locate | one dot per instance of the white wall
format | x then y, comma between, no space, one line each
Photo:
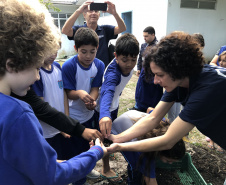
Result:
67,46
144,13
210,23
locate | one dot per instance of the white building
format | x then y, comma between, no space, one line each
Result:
207,17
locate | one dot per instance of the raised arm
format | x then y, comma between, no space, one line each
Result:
121,25
214,60
67,28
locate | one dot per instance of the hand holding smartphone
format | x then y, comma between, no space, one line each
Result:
98,6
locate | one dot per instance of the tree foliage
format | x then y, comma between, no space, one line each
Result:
49,5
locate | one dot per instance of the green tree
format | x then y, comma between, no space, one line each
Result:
49,5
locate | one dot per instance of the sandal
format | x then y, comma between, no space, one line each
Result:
210,146
114,179
112,156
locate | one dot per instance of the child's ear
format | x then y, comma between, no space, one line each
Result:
8,68
76,49
116,56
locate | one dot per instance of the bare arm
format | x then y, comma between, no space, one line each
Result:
67,28
214,60
66,105
121,25
94,92
176,131
144,125
83,95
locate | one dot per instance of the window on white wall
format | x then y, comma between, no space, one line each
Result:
199,4
104,14
60,19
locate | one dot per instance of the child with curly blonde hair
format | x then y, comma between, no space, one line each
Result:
27,36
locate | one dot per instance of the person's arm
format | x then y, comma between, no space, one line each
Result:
66,105
175,132
79,94
112,79
150,181
94,92
144,125
214,60
67,28
48,114
38,153
121,25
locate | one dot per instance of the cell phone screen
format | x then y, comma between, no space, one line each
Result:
98,6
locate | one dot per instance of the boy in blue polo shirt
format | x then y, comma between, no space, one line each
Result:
82,77
116,76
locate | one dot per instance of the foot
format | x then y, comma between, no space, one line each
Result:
220,150
93,174
210,146
111,176
207,139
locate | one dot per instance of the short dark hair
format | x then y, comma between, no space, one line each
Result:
150,30
199,38
126,45
178,54
86,36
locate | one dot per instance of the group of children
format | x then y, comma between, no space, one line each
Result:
84,88
84,91
27,37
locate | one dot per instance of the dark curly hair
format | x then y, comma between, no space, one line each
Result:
27,34
199,38
178,54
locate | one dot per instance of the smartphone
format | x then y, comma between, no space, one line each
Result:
98,6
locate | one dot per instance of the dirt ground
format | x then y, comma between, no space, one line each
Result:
210,164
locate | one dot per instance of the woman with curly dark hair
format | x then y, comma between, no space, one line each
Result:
177,64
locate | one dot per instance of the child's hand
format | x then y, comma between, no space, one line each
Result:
91,134
91,106
105,126
65,135
99,143
85,97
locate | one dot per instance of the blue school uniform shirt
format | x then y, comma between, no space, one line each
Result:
76,77
105,34
50,87
25,156
204,102
113,84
